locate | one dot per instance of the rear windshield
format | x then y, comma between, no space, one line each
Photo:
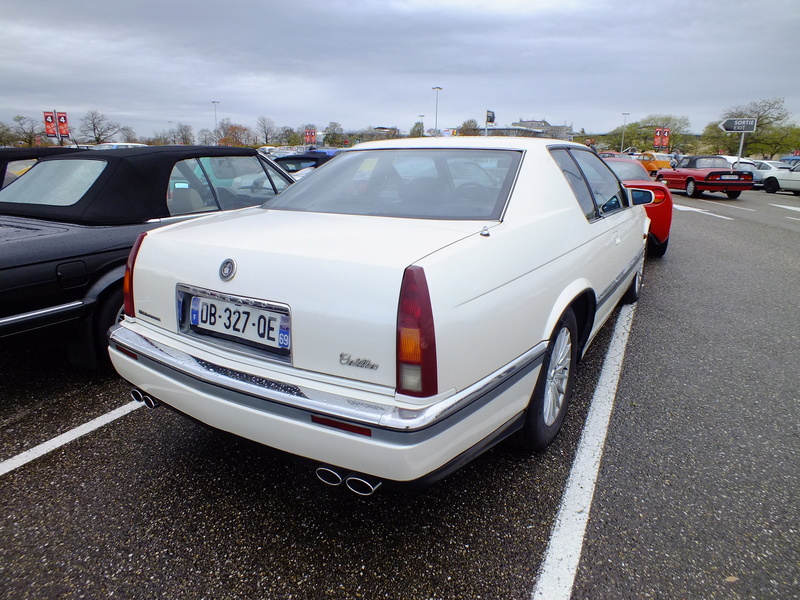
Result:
627,171
446,184
54,183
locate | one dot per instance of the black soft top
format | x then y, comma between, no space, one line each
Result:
8,155
131,189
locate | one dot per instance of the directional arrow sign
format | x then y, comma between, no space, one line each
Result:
738,125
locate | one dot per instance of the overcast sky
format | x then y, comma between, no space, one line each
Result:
361,63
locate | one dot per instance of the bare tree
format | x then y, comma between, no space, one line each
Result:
265,129
128,135
26,130
205,137
97,128
6,135
184,134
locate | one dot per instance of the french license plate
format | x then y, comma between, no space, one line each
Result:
729,177
248,323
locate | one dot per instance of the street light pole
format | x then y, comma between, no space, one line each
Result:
422,125
624,121
437,89
216,139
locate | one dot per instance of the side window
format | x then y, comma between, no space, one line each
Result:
189,191
576,181
238,181
15,168
278,183
606,189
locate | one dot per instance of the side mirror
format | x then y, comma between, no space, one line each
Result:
640,197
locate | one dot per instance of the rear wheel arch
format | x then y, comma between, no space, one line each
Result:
88,349
584,308
581,300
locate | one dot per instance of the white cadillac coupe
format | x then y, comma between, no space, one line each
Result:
395,313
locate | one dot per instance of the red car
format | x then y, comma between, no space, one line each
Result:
697,174
632,174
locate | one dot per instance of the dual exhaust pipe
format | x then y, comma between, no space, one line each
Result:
147,399
363,485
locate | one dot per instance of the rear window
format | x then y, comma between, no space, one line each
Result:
627,171
445,184
54,183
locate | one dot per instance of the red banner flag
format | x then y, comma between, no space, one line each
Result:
657,138
665,137
50,124
63,125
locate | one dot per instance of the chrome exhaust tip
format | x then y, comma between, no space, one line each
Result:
329,476
139,396
363,485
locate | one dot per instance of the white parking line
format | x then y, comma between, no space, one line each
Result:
728,205
786,207
73,434
557,574
700,210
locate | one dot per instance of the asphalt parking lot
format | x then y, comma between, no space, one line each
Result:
697,494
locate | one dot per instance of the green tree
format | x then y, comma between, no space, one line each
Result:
469,127
640,134
288,136
773,132
334,135
418,130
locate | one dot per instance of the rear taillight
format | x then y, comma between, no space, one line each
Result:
659,195
416,340
127,281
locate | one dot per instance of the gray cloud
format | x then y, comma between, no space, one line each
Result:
365,62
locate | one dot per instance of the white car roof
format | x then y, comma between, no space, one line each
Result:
497,142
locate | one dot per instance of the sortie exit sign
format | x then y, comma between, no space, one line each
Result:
738,125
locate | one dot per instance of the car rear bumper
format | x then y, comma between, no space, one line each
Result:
724,186
392,444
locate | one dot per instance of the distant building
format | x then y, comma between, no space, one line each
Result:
511,132
559,132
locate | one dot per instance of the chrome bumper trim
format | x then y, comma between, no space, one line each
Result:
333,405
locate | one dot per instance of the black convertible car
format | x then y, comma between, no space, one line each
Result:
67,225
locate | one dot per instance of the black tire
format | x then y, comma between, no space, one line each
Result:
108,313
771,185
691,189
631,295
553,390
656,249
733,195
